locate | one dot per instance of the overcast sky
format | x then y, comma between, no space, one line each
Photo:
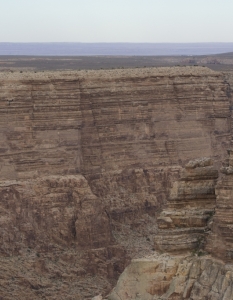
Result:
152,21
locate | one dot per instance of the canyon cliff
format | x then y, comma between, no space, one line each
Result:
99,167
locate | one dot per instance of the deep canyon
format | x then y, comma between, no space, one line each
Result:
116,175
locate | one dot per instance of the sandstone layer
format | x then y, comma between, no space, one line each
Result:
183,223
174,278
87,163
220,240
196,226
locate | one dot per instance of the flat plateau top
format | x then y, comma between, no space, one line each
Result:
110,74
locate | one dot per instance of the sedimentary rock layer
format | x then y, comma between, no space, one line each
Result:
137,126
87,160
220,240
174,278
197,218
67,123
183,224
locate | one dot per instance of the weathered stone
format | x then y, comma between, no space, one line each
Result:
183,224
174,277
87,160
99,297
220,240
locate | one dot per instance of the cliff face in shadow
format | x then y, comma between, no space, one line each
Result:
87,164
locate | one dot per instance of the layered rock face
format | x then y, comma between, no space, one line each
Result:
55,238
174,278
184,221
220,240
106,121
191,224
51,212
87,161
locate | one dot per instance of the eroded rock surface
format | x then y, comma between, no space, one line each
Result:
183,223
97,122
55,238
196,220
87,162
173,278
220,240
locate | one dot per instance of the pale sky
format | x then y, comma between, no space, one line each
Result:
154,21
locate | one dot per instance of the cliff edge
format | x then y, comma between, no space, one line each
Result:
88,161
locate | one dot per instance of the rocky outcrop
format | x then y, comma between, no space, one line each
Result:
195,226
87,160
63,204
220,240
174,278
183,223
54,229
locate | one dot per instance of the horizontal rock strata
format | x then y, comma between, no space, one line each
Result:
184,221
54,229
87,160
220,240
109,120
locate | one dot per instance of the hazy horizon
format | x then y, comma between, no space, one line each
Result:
109,21
114,49
61,42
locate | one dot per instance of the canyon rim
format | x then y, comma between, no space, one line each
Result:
116,183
